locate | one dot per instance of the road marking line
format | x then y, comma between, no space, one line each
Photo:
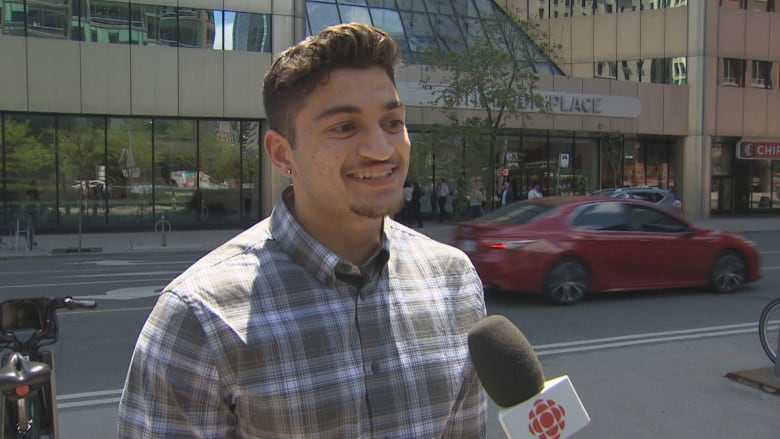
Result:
541,350
133,273
593,347
648,335
89,394
87,403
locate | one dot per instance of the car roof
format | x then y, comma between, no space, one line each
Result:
632,188
578,200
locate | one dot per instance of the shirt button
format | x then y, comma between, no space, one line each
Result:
375,368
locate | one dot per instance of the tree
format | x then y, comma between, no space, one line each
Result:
611,145
498,75
81,145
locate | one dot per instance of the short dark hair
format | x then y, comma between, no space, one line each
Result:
298,70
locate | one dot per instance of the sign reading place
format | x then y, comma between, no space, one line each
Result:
579,104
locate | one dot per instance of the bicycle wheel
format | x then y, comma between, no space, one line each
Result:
768,331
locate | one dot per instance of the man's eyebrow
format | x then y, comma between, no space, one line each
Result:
351,109
392,105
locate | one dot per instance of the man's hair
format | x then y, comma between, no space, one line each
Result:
298,70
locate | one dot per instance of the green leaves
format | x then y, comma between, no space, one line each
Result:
497,75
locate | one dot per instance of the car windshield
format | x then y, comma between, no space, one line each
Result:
519,213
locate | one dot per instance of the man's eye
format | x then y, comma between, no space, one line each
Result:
344,129
395,124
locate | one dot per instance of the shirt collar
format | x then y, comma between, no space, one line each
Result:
316,259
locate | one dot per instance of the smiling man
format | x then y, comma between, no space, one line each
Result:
327,319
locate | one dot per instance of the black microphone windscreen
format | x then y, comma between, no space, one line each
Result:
505,362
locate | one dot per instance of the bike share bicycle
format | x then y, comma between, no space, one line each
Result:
28,396
769,330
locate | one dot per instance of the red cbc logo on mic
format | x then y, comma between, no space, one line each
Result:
546,420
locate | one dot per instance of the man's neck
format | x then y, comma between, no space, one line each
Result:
353,238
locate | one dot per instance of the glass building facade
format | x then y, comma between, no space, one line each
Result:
109,171
117,171
113,113
122,22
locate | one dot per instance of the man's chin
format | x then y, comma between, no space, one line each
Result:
374,211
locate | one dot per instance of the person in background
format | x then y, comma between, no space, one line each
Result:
476,200
328,318
407,212
442,192
417,194
506,196
534,192
434,203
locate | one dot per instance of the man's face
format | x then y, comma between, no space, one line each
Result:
351,152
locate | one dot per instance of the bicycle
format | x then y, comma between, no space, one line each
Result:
28,406
769,329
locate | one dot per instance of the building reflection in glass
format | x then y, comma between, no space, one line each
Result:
120,22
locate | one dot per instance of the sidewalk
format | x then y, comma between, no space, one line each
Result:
204,240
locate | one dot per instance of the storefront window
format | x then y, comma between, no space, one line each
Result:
611,152
561,172
82,169
67,170
220,169
129,170
176,172
634,164
250,169
586,165
657,156
720,186
30,185
533,166
762,184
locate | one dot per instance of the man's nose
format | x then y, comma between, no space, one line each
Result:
376,144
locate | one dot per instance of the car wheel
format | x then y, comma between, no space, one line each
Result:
567,282
728,272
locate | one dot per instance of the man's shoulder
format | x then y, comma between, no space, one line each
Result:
246,248
416,244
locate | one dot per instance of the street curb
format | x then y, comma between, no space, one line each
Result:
763,379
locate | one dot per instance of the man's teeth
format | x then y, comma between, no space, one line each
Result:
370,175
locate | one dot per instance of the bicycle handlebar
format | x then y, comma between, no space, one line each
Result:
35,317
70,303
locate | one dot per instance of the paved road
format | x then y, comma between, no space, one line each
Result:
646,365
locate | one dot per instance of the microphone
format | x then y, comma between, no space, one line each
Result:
510,372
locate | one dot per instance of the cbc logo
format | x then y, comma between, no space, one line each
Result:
546,420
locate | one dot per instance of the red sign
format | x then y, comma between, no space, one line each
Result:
502,171
758,150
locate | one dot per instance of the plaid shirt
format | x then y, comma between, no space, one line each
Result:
271,335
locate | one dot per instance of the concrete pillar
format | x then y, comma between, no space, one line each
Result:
697,146
696,175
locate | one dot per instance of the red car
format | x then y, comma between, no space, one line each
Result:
567,247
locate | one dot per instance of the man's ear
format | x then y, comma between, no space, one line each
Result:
278,149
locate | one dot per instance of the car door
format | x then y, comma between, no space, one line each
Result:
604,241
671,254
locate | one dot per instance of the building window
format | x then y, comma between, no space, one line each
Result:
742,4
733,72
679,70
761,5
753,5
761,75
606,69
